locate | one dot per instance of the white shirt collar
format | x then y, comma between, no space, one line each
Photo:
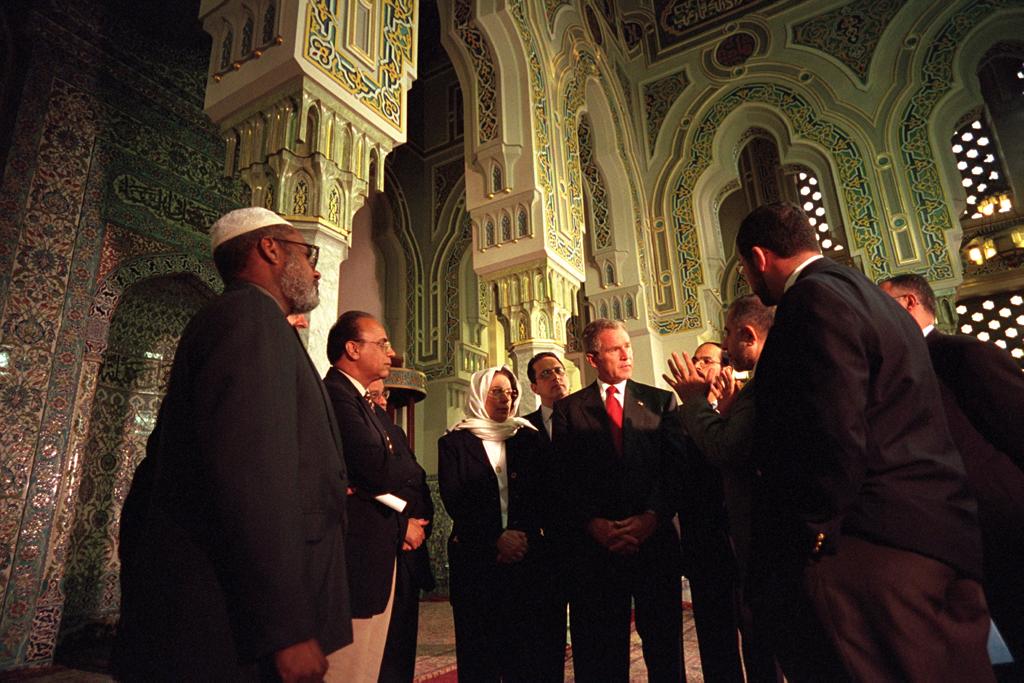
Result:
358,385
796,271
928,329
620,390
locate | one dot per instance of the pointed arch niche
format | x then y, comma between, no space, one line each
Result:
756,160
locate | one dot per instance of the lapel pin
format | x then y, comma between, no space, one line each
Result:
640,403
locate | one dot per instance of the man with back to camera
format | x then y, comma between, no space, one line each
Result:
865,532
360,353
983,395
232,535
616,442
724,437
550,383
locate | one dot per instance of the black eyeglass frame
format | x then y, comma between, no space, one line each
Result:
312,250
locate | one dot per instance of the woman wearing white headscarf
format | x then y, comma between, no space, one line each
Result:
484,473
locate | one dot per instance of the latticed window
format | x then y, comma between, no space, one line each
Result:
269,16
247,30
998,319
225,49
810,199
981,170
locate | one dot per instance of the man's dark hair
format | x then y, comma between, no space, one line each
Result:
342,332
781,227
918,284
531,373
750,310
596,327
231,256
710,343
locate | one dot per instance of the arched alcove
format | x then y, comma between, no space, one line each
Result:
128,377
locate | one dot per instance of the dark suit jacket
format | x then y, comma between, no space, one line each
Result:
376,465
725,442
983,394
469,491
235,528
421,506
851,435
598,482
988,386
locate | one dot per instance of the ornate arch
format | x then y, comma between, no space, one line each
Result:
925,123
806,123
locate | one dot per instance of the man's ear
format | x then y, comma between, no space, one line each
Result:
270,250
590,359
352,349
759,259
912,301
748,335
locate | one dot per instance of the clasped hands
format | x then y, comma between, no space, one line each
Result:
623,536
512,546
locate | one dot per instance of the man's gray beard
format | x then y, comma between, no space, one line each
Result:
301,298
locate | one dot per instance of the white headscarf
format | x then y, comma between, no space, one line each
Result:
476,419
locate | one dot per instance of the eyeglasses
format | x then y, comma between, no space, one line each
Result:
383,344
498,394
556,371
706,360
374,395
312,250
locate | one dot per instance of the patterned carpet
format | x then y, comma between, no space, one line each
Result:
435,659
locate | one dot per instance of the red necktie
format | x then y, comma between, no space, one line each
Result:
614,408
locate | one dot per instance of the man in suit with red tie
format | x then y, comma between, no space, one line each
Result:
615,442
865,533
983,394
360,353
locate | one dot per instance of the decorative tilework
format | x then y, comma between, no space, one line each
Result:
132,374
445,179
551,9
625,84
483,64
936,79
658,99
678,21
446,272
596,186
850,33
73,139
381,92
806,123
567,245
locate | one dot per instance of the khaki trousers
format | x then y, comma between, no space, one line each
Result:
360,660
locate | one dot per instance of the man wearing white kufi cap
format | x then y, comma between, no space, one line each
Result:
232,543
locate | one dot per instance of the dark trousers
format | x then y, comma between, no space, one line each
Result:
495,609
714,586
873,613
604,589
399,662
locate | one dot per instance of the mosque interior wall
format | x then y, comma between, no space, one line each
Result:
639,130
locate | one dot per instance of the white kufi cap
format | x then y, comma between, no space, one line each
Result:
240,221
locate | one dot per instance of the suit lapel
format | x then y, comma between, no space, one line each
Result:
593,408
335,376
